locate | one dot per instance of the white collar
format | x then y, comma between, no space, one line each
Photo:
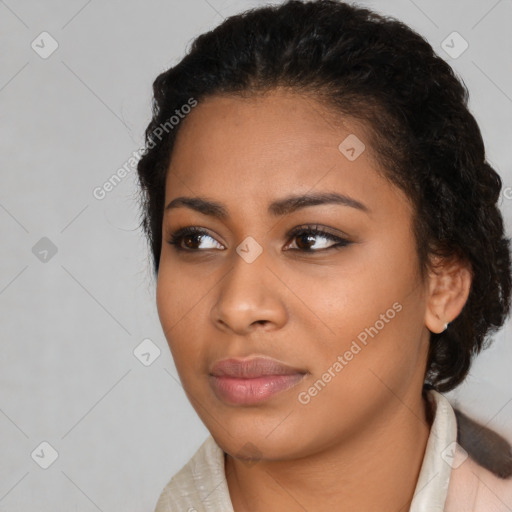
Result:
432,486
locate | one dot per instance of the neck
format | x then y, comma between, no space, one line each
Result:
376,470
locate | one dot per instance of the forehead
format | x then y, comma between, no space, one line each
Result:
275,126
267,145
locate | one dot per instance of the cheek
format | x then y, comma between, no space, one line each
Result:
174,302
353,296
166,299
181,299
372,306
178,292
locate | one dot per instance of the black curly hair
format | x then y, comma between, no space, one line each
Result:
375,69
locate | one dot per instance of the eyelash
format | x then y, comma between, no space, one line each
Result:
177,237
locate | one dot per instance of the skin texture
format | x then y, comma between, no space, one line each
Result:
359,443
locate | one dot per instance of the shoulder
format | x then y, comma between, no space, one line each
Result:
200,485
480,479
473,488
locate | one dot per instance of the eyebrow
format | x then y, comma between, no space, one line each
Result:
280,207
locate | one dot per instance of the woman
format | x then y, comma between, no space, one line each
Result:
329,256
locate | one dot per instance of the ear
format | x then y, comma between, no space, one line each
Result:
448,289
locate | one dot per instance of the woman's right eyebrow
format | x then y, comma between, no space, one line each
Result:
277,208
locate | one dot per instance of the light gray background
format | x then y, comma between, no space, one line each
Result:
69,325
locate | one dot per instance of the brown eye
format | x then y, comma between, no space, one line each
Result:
305,241
311,239
191,238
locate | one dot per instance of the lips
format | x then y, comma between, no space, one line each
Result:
245,382
252,368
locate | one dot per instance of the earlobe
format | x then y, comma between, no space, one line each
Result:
449,284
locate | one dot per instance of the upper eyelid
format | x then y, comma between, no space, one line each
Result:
316,229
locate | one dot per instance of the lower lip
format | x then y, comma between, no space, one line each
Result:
251,391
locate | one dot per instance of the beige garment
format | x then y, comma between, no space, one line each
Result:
201,486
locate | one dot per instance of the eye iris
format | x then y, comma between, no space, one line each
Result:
303,237
187,238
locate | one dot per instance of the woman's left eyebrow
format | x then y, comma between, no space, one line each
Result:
277,208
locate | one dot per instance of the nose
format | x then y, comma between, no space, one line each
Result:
249,297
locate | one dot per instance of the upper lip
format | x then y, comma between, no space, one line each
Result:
252,367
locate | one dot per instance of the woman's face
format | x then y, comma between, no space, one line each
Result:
345,308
